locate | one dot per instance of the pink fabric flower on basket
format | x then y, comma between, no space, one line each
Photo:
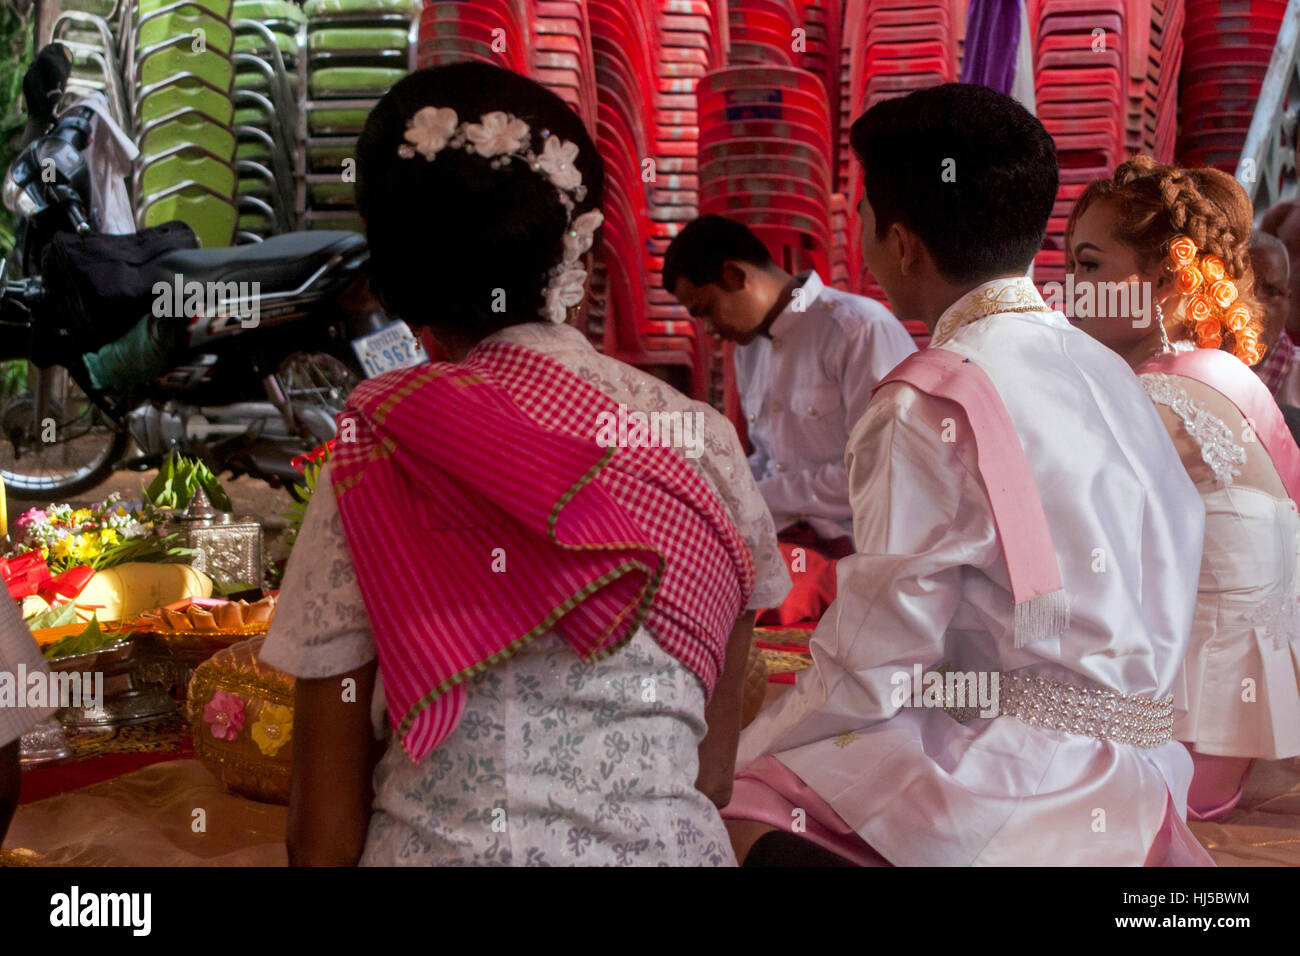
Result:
224,715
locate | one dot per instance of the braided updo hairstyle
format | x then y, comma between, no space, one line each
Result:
1157,203
462,244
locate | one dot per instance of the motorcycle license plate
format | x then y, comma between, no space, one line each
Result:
392,347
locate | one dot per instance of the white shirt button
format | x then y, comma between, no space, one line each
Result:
776,344
780,466
812,411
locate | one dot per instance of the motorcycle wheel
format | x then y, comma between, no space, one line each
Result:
317,385
54,441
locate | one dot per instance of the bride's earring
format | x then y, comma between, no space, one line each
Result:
1164,336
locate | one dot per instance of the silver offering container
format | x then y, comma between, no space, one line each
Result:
227,549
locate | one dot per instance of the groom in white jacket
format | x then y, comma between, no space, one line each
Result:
1028,548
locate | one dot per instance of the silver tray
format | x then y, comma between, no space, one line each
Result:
132,694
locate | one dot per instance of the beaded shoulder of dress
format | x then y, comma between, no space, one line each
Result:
1219,448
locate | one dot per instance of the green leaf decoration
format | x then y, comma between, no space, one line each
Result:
60,615
91,639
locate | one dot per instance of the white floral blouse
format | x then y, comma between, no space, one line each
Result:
554,762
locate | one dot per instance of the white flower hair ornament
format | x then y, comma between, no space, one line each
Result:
501,138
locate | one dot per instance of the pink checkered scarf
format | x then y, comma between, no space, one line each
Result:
1272,371
481,513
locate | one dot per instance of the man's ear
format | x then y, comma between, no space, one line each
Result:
733,276
908,247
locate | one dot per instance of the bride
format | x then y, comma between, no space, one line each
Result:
1186,233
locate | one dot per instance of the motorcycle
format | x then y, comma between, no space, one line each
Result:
239,356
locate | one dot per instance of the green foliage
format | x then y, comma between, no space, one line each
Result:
163,549
179,478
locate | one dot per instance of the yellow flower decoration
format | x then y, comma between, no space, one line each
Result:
81,516
108,536
63,547
274,729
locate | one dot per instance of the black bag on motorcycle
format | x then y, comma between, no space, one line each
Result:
98,287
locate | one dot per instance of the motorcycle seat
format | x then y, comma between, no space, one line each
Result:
281,263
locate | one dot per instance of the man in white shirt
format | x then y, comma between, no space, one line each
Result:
993,684
19,655
807,359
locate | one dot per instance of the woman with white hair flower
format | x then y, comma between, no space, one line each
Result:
557,631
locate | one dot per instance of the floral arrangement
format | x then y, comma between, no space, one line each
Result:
112,532
310,466
1212,312
500,138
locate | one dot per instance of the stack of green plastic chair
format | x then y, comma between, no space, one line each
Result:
87,30
180,71
269,38
355,51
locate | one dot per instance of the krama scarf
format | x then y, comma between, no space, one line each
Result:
481,513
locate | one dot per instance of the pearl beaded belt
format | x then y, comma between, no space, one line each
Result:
1103,714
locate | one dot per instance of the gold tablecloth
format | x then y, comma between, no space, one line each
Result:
147,818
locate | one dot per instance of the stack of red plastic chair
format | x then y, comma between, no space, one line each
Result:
690,40
820,20
644,133
561,54
765,160
494,31
762,32
1226,52
1164,57
1082,92
623,63
896,47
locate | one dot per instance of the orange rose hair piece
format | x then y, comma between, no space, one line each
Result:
1237,318
1213,269
1208,335
1182,251
1187,280
1223,293
1199,309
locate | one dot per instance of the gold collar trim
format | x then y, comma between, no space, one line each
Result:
992,298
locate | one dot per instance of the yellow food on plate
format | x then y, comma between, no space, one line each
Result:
125,591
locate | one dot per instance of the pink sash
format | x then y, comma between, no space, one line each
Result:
482,511
1042,609
1229,376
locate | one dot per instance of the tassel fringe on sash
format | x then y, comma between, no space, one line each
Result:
1042,617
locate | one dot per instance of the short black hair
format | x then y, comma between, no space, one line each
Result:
704,244
447,236
966,168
